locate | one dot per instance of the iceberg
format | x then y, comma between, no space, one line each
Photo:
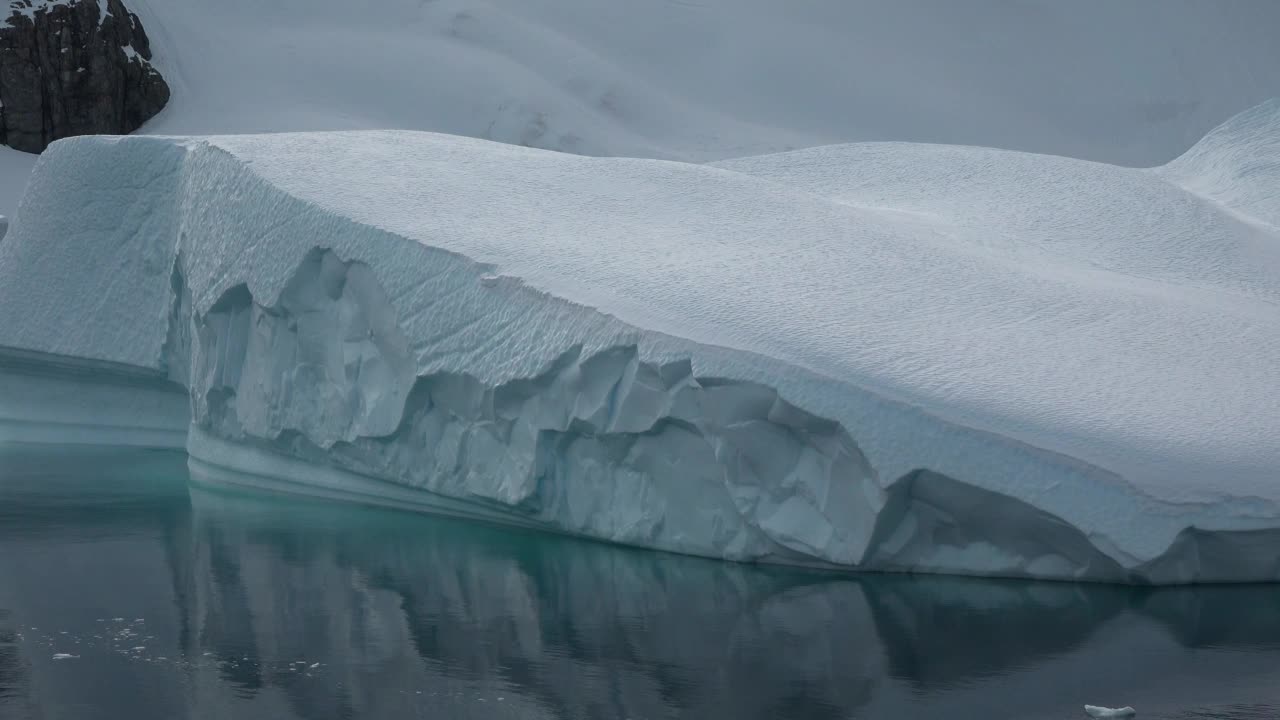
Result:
881,356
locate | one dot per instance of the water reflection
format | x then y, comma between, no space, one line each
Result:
262,608
13,680
559,627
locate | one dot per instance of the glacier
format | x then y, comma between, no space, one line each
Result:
882,356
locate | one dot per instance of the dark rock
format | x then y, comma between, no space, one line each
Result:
67,68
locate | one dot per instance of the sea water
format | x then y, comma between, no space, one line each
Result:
127,593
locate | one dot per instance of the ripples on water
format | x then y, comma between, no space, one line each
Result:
166,603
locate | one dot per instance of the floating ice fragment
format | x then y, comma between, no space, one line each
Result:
1106,712
64,656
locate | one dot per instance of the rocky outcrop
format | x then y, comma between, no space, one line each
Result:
74,67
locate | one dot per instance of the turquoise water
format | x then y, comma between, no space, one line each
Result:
123,594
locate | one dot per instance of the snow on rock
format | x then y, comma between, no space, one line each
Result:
80,67
29,8
885,356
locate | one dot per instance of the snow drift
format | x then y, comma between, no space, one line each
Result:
883,356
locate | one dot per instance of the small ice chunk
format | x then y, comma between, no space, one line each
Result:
64,656
1106,712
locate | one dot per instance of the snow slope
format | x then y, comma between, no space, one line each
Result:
887,356
1134,83
1237,166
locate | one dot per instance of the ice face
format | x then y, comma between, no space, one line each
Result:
881,356
602,444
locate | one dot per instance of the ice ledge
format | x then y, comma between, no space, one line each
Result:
931,524
61,400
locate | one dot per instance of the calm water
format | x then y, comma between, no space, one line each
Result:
201,604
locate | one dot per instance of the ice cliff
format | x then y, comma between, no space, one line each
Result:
882,356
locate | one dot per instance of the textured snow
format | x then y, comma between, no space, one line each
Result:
1236,166
891,356
1134,83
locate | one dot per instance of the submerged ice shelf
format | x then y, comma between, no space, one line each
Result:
884,356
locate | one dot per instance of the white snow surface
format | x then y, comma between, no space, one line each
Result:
882,355
1134,83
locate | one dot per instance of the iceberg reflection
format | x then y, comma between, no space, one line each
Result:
206,603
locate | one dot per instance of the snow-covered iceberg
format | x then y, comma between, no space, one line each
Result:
882,356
